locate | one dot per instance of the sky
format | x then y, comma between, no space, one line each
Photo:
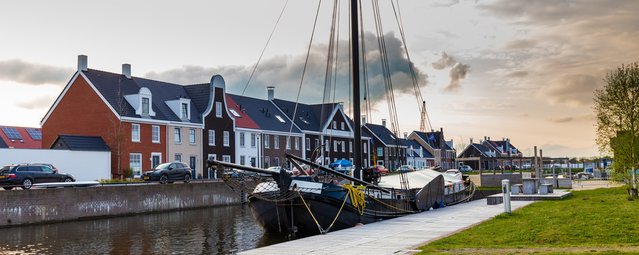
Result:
523,70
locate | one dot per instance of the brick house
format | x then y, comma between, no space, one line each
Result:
435,143
386,149
136,117
20,137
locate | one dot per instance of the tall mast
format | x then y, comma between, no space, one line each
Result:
357,116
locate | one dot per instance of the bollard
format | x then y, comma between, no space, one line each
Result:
505,189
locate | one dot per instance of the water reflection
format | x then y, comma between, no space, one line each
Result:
220,230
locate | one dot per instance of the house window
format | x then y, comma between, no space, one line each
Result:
212,157
185,111
317,143
192,136
267,138
380,151
253,140
226,138
193,162
308,144
177,135
365,147
178,157
327,161
226,158
350,146
288,142
327,145
211,137
155,134
241,139
334,124
135,132
218,109
297,143
145,106
253,161
334,146
365,162
342,125
276,161
135,163
242,160
343,146
267,162
276,141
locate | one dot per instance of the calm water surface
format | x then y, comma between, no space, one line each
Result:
219,230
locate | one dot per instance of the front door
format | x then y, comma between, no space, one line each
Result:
192,164
156,159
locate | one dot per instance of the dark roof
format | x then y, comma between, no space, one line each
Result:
308,117
108,84
433,139
503,144
200,95
382,133
481,148
264,113
80,143
409,142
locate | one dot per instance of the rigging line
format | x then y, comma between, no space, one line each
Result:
265,46
418,93
308,53
328,70
367,98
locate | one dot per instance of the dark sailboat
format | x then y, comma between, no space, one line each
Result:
317,199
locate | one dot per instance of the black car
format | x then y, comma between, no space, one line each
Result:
169,172
25,175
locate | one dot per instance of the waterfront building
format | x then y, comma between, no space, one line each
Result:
386,149
436,145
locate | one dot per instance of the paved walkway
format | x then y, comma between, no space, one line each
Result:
593,184
395,236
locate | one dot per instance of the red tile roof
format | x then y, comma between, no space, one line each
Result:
27,142
244,121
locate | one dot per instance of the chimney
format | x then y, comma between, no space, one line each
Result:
83,61
363,119
270,91
471,140
126,70
406,136
384,122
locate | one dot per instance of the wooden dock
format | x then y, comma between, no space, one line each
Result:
396,236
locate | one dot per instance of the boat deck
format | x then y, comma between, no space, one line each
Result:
395,236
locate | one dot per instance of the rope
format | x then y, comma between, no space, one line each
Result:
319,226
391,206
263,50
358,199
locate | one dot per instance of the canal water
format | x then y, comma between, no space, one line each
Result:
218,230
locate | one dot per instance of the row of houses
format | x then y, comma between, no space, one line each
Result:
146,122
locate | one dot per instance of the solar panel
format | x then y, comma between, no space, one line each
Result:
35,133
12,133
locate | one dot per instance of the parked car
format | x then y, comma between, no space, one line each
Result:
465,168
381,169
584,176
406,168
25,175
169,172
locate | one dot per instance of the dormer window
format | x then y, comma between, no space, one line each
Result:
181,107
185,111
145,105
142,102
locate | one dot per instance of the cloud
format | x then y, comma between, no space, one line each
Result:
37,103
572,90
562,120
517,74
520,44
285,72
457,72
32,73
445,3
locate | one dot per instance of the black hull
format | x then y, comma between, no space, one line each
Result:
292,216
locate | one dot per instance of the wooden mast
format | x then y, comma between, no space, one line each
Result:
357,116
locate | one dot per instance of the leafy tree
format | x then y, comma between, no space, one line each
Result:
617,109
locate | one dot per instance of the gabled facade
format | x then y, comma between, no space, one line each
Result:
327,131
435,143
136,118
502,148
386,149
20,137
417,156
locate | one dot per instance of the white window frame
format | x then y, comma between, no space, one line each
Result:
335,145
342,125
177,157
297,143
226,139
335,125
211,137
327,145
365,147
218,109
212,157
266,141
136,172
288,142
135,136
308,144
226,158
148,109
276,141
185,111
253,140
155,134
155,154
192,136
242,160
242,141
177,135
350,146
343,146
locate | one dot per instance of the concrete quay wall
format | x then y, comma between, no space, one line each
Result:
33,206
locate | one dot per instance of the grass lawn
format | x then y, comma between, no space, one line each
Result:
600,221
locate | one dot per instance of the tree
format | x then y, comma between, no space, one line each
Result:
617,110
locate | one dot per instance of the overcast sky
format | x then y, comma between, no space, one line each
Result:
525,70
